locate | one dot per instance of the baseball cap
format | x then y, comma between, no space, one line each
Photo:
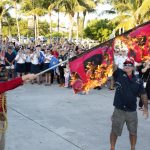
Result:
129,61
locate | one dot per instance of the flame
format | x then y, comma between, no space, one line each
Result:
73,78
131,42
145,58
96,76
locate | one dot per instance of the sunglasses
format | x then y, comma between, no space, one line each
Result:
128,65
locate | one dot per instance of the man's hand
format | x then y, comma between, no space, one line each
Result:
29,77
145,113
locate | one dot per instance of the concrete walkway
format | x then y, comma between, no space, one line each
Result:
53,118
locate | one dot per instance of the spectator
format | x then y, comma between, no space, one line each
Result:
35,68
10,61
2,57
146,73
67,75
28,61
61,68
20,63
47,58
40,54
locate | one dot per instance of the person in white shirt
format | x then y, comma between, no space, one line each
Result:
122,58
2,57
35,68
40,55
20,63
28,61
67,75
47,58
116,56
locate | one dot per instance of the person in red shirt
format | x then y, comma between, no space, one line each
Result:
4,87
55,52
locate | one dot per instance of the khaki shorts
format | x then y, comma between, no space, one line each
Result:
120,117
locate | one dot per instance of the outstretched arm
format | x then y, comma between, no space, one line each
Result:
14,83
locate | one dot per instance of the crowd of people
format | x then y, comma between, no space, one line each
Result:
18,60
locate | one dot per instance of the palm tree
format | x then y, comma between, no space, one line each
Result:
131,13
89,8
17,19
71,7
34,8
50,19
3,11
49,6
9,22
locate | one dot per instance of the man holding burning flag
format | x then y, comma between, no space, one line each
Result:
128,87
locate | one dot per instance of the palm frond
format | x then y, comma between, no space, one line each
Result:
88,4
145,7
26,6
146,17
121,7
127,23
119,18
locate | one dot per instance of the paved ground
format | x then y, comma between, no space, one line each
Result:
53,118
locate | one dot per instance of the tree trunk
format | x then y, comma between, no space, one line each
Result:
77,36
58,22
9,30
123,30
119,31
50,25
0,27
17,22
18,28
84,15
37,25
35,29
71,27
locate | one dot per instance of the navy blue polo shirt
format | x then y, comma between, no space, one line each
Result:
127,91
10,57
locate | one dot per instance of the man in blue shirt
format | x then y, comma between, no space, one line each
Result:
128,88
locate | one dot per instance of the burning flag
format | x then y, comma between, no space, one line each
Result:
93,67
88,68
